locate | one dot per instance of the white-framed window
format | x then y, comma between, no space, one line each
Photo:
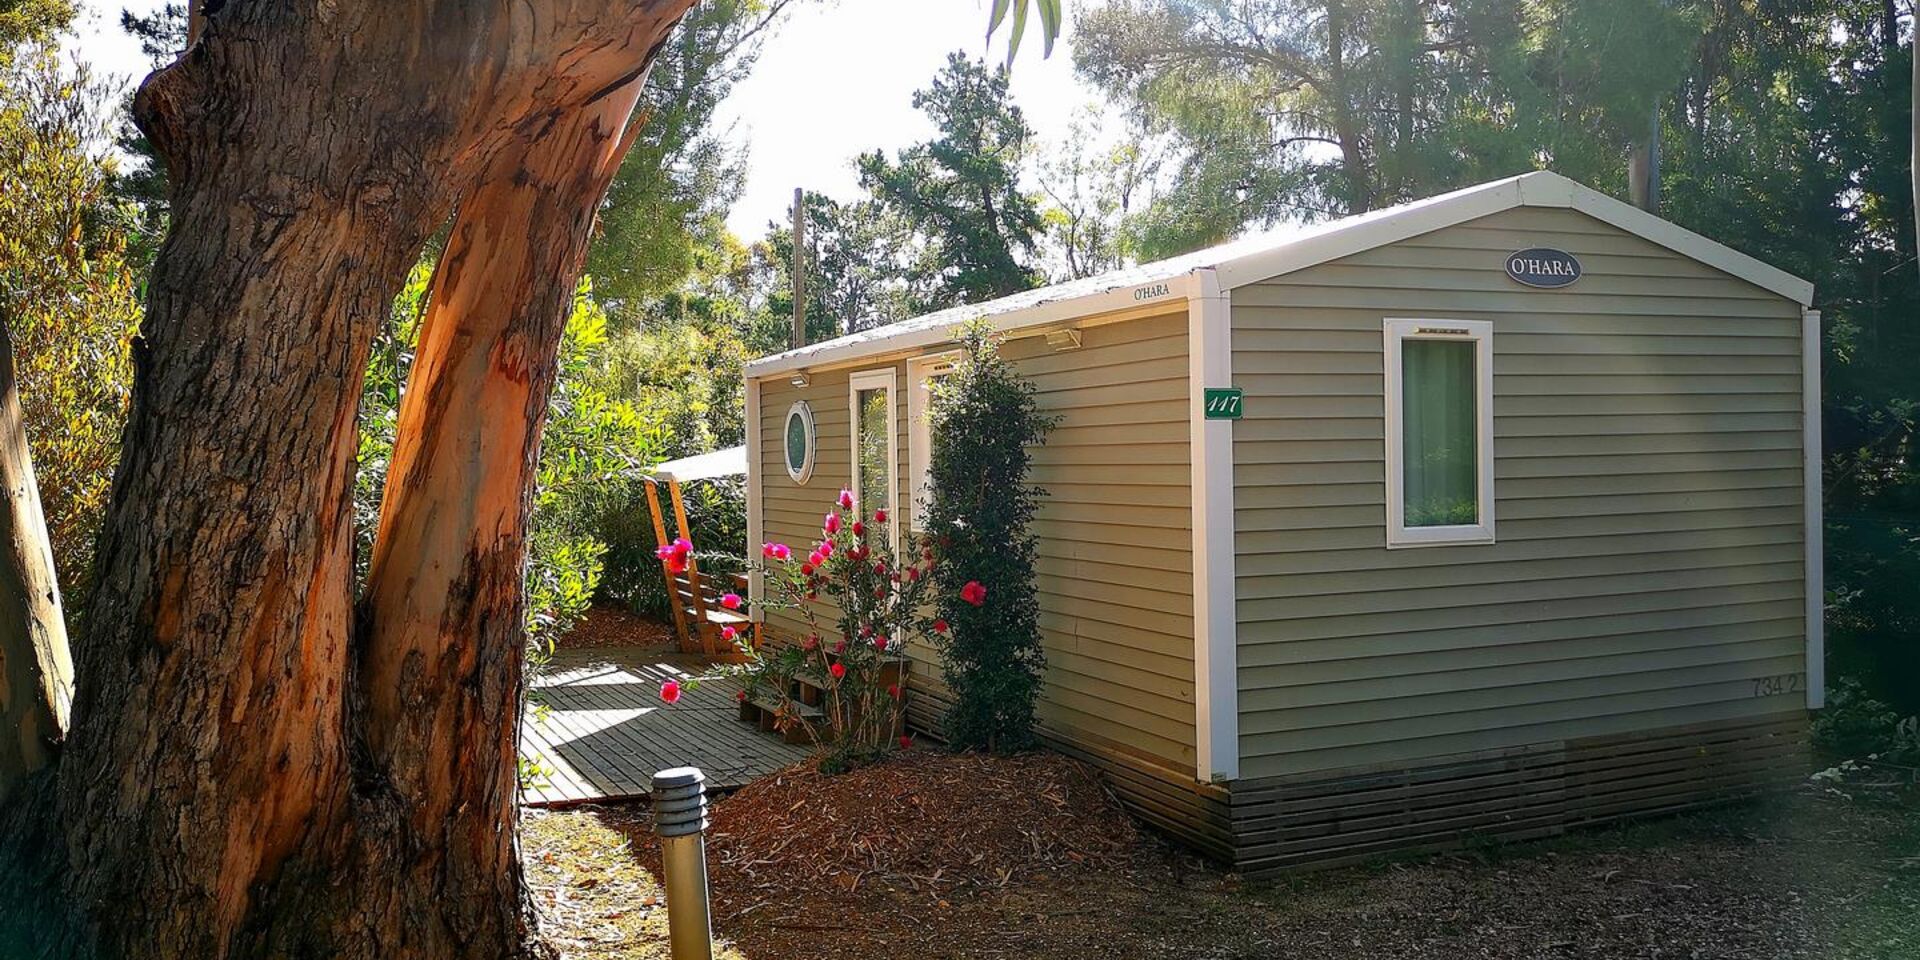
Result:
921,374
876,445
1439,393
799,441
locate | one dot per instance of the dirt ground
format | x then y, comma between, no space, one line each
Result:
1804,875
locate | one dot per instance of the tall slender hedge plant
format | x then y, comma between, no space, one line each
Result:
984,421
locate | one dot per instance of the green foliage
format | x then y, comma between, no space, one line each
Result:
1285,108
66,291
1855,725
592,443
680,366
858,257
984,419
143,181
668,204
1050,18
27,22
960,192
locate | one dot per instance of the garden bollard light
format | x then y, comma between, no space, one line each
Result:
680,819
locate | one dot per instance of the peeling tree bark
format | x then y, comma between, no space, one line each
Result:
227,795
36,671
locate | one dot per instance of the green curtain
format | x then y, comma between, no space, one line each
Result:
1440,455
876,474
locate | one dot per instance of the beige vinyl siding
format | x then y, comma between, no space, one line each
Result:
1115,552
1648,564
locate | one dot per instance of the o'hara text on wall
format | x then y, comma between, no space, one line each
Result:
1543,267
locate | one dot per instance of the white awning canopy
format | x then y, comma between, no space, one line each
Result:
731,462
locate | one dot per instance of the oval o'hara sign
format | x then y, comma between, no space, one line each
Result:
1543,267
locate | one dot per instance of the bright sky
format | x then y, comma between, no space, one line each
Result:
835,80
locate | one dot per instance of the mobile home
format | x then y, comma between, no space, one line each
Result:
1485,515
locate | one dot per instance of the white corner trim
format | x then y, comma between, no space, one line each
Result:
1216,683
1395,330
756,589
876,380
1813,497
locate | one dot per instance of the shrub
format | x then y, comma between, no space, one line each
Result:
985,417
68,295
879,599
1854,724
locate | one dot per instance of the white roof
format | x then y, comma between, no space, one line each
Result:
731,462
1266,255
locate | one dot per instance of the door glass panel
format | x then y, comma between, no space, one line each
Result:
876,473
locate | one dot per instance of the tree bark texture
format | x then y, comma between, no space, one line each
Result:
247,775
36,671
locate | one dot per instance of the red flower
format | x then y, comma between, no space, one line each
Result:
740,696
730,600
831,524
859,529
728,632
905,742
867,631
840,647
879,592
846,499
893,690
974,593
812,641
806,569
913,574
880,569
826,548
879,516
838,670
939,626
880,641
670,691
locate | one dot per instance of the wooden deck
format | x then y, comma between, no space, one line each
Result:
604,731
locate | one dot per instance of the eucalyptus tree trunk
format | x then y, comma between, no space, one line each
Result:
251,772
36,672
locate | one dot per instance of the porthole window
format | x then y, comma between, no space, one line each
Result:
800,441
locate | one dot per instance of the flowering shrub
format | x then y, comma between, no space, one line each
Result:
855,663
986,625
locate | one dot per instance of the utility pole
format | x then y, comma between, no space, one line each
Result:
799,268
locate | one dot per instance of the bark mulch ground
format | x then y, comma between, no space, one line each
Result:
614,626
934,855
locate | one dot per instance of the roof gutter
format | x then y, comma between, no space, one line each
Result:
1171,292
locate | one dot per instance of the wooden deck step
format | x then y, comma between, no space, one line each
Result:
765,708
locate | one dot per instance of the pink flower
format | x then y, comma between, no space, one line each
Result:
879,516
939,626
728,632
831,524
814,559
974,593
826,548
846,499
776,551
730,600
838,670
670,691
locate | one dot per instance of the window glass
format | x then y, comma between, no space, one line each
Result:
876,474
1440,426
799,441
